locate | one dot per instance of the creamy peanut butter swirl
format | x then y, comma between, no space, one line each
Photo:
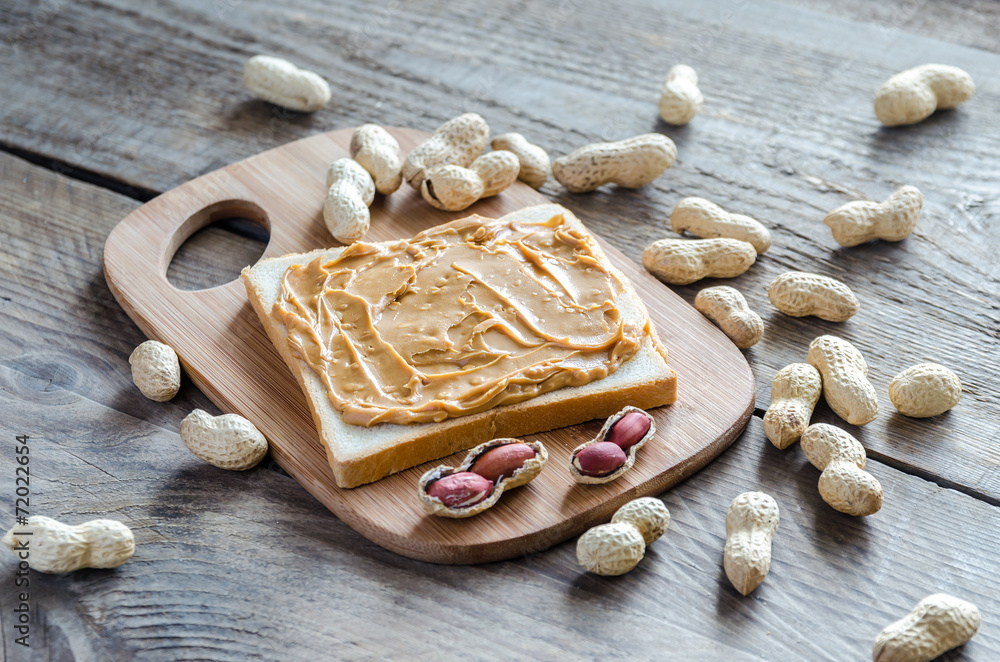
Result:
459,319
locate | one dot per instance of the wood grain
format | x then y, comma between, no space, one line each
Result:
967,22
144,98
226,352
217,253
787,134
230,566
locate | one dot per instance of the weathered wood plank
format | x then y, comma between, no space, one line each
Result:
784,159
176,108
968,22
230,565
227,354
205,536
786,143
54,297
216,254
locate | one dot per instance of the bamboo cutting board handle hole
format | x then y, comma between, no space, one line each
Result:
211,246
227,353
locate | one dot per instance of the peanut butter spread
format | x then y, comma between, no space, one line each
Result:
459,319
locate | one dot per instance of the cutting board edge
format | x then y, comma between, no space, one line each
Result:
360,518
493,551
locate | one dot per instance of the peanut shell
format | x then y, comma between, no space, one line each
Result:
925,390
601,436
610,549
525,474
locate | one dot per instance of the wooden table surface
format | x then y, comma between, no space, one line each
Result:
106,104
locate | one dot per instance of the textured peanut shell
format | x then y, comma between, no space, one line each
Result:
459,141
924,390
648,514
937,624
892,220
845,383
610,549
911,96
522,476
156,371
535,165
631,163
728,308
451,187
377,151
497,170
680,98
55,547
630,454
684,261
844,484
454,188
707,220
799,293
227,441
350,193
794,394
751,522
282,83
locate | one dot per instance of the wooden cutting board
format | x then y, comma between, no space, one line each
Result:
225,351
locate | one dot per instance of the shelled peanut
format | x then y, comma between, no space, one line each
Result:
799,294
925,390
481,479
936,624
55,547
459,142
631,163
845,379
616,548
729,310
684,261
751,522
613,451
844,484
794,394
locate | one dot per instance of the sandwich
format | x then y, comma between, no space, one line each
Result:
411,350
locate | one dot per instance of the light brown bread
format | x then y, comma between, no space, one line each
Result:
360,455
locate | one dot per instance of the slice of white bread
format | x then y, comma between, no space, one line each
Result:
360,455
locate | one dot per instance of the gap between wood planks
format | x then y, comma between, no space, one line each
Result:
144,195
94,178
80,174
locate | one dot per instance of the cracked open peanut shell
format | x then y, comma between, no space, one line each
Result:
629,440
521,475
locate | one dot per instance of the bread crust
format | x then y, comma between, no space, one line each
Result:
419,443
